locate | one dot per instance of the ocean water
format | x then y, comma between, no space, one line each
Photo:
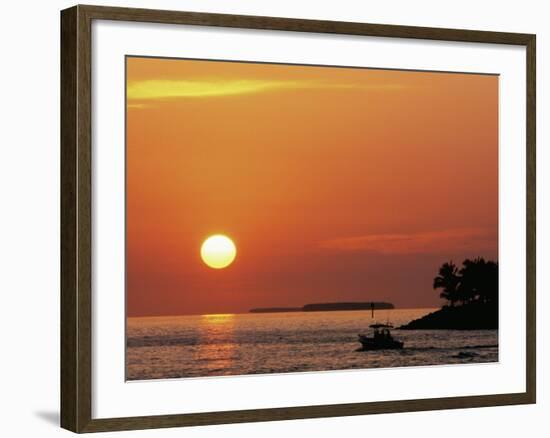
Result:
258,343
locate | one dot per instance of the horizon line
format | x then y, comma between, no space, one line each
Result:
252,313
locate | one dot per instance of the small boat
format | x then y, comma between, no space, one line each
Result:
381,339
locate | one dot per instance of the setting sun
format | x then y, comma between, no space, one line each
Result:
218,251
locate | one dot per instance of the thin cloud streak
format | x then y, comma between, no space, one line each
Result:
169,89
137,105
431,242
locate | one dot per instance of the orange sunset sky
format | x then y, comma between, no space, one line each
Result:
336,184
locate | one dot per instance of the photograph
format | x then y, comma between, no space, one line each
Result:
288,218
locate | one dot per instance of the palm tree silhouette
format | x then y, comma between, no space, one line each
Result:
475,282
478,281
448,280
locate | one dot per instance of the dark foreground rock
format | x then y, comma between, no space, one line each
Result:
467,317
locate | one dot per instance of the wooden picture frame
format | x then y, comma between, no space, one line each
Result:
76,217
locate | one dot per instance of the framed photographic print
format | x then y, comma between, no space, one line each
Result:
269,218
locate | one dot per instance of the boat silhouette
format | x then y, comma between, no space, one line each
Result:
381,339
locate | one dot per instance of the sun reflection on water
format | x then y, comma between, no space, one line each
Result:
216,350
217,318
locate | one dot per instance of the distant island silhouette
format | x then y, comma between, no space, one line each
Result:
472,298
324,307
275,309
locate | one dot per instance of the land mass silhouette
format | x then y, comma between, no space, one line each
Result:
324,307
474,316
472,298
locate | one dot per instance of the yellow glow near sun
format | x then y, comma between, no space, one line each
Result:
218,251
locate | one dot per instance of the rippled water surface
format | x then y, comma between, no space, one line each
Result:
215,345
